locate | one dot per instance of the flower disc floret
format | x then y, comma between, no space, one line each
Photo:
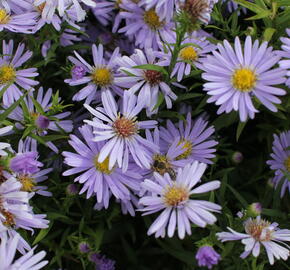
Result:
153,77
125,127
7,74
188,54
287,163
27,182
174,196
152,19
4,16
102,77
187,145
244,79
103,166
258,229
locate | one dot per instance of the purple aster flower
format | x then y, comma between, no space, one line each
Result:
19,23
15,211
189,55
27,261
25,163
120,128
198,10
260,232
97,177
164,8
102,263
173,199
235,77
69,37
145,26
280,161
11,75
78,72
84,247
207,256
285,63
44,121
194,136
17,6
103,11
149,83
101,76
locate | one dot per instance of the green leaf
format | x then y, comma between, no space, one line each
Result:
38,107
42,233
50,138
152,67
187,96
238,196
240,128
268,33
159,101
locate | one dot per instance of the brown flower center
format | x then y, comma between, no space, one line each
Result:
258,229
153,77
195,8
125,127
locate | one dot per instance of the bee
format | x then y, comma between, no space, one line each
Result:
162,166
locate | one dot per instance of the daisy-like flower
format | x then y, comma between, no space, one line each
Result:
235,76
102,75
198,10
164,8
19,23
193,52
145,26
285,63
97,178
207,256
260,232
194,138
3,145
173,199
280,161
43,121
149,83
120,128
27,261
11,75
15,211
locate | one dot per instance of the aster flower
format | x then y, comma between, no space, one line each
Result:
193,52
207,256
285,63
164,8
25,163
280,161
103,11
102,75
11,75
44,120
102,262
19,23
15,211
235,77
27,261
194,136
96,177
17,6
199,11
260,232
173,199
145,26
119,127
149,83
3,145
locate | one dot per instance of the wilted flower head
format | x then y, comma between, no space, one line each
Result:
207,256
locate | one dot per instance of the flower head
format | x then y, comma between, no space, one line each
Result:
119,128
25,163
235,76
285,63
260,232
172,197
207,256
280,161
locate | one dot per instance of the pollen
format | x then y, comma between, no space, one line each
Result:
195,9
259,229
244,80
153,76
125,127
187,146
4,16
287,163
7,74
27,182
102,77
152,19
174,196
103,167
188,54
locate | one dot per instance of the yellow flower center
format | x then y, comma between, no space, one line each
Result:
7,74
102,77
4,16
287,163
9,218
258,229
125,127
103,167
162,165
27,183
40,7
152,19
244,79
175,195
188,54
187,145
